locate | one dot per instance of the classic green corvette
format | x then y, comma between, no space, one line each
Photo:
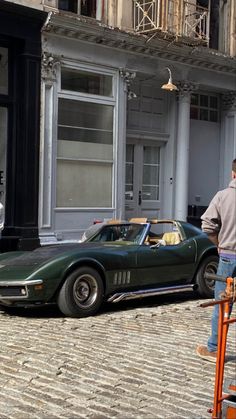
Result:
117,261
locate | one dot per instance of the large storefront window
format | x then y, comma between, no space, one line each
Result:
84,153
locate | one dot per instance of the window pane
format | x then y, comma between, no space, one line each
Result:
84,184
129,184
150,174
69,5
151,171
85,135
213,116
213,102
3,71
80,150
151,155
85,82
150,193
87,115
130,153
204,114
129,175
204,100
88,8
193,113
194,99
85,130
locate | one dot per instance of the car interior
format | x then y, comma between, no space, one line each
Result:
164,233
167,239
161,233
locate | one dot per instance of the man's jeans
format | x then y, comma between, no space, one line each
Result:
227,267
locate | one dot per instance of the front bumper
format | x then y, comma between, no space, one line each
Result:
17,290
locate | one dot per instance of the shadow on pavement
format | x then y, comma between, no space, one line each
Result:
230,358
151,302
52,311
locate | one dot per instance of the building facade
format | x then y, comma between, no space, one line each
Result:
113,142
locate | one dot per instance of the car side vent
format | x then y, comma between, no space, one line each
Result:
122,278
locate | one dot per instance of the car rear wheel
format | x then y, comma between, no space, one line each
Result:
206,286
81,294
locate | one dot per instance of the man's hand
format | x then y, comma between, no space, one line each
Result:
213,238
231,293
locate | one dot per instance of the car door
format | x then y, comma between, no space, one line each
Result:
166,265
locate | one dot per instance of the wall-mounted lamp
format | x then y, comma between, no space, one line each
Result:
169,86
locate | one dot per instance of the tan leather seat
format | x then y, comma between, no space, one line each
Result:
171,238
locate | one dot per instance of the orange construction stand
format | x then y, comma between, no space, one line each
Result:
223,325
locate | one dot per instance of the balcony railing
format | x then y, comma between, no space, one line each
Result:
178,17
196,22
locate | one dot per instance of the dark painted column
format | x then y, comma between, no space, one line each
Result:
22,29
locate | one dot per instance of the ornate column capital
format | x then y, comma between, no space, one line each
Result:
128,77
229,101
185,88
49,66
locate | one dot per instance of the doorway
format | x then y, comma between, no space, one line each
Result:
143,185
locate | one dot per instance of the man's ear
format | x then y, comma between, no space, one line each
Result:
233,175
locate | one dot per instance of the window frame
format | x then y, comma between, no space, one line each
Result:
97,99
96,71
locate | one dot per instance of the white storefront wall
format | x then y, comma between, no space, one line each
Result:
228,133
139,122
150,123
58,221
204,159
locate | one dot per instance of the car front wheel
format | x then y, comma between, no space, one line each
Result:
206,286
81,294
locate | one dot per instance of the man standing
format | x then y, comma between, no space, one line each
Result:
219,222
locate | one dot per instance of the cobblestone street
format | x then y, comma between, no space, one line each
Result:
127,362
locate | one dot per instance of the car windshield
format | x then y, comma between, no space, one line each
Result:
132,233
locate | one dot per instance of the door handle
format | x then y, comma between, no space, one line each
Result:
139,197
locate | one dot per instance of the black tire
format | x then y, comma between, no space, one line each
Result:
206,286
81,294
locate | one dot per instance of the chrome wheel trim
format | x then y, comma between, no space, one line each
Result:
85,290
211,268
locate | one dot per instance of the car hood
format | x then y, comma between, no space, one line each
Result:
29,261
24,264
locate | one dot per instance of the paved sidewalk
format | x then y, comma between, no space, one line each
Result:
125,363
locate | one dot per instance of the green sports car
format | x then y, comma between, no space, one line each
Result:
116,261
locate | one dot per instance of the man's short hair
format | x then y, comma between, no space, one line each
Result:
234,166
